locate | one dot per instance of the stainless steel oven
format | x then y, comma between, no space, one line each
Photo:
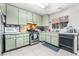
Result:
66,41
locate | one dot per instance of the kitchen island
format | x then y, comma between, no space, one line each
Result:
15,40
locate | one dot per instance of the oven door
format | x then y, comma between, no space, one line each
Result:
66,41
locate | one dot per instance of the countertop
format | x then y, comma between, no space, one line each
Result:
62,33
16,33
43,32
70,33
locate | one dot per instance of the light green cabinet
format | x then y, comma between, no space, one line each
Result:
26,39
55,39
28,17
37,19
19,40
12,15
9,42
3,8
42,36
0,44
13,41
52,38
45,20
22,17
47,37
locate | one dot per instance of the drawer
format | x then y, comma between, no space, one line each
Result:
19,35
54,35
26,43
25,34
26,39
10,36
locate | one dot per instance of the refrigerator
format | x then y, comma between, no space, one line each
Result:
1,32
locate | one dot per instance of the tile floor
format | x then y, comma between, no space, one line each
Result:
39,50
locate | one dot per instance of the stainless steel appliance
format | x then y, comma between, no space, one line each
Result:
34,37
66,42
1,30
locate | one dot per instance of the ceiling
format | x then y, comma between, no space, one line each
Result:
52,7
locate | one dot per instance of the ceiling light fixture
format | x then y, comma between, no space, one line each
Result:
42,5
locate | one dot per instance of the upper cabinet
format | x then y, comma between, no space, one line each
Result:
45,21
12,15
28,17
3,8
19,16
37,19
22,17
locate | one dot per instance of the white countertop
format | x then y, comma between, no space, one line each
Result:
70,33
16,33
62,33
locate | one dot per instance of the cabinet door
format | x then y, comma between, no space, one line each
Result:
3,8
12,15
22,17
47,38
42,36
55,41
35,18
19,41
0,44
28,17
10,43
45,21
39,20
26,39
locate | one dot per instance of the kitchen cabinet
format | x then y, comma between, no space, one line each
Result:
28,17
45,20
12,15
47,38
3,8
26,39
9,42
42,36
19,40
55,39
22,17
51,38
39,22
16,40
0,44
35,18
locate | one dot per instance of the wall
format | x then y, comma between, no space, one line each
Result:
73,14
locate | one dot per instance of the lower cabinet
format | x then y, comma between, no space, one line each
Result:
26,41
42,36
47,38
19,41
16,40
55,41
9,43
51,38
